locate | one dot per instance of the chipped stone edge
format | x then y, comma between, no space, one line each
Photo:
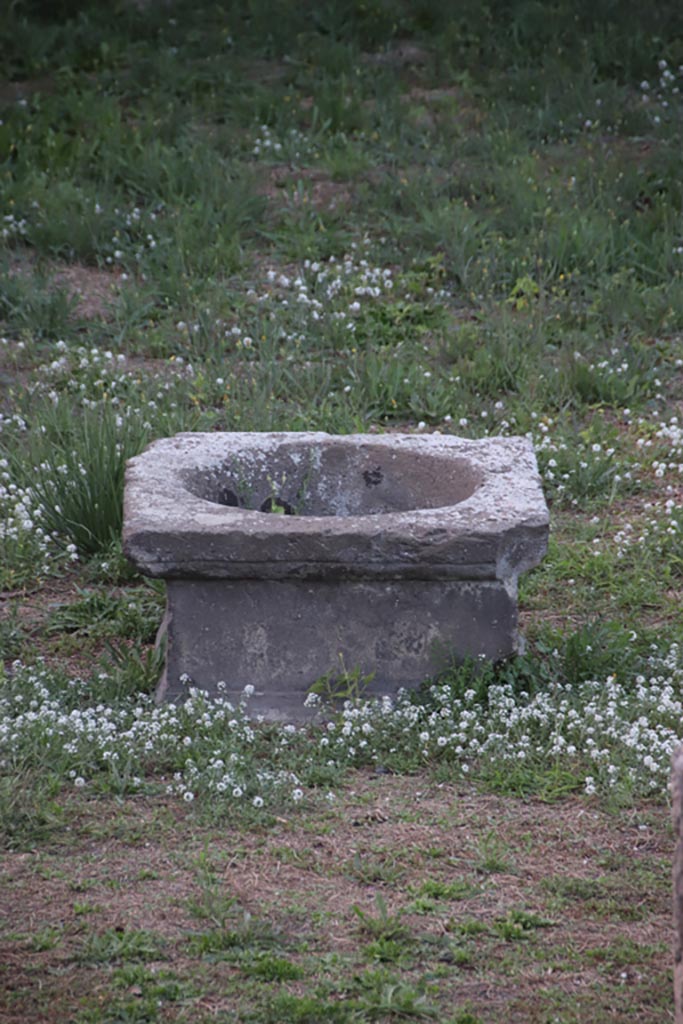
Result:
497,532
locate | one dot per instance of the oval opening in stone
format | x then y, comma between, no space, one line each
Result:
335,479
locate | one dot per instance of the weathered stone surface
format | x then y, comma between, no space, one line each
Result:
398,552
280,636
370,507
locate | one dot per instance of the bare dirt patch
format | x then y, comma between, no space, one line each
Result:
321,192
13,92
310,878
93,290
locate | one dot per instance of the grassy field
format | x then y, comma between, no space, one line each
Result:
354,217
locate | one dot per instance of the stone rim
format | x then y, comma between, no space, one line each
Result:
496,532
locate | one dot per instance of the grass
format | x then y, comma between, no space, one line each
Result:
351,217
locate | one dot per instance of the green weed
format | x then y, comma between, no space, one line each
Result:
31,811
127,670
248,934
382,994
341,686
388,951
12,633
34,304
113,945
266,967
622,952
371,869
212,904
492,856
381,925
46,938
134,614
518,924
440,890
75,468
305,1010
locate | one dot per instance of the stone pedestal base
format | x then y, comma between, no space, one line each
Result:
280,637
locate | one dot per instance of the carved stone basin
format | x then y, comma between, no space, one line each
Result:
284,551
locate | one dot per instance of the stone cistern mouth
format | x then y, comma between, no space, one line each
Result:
334,480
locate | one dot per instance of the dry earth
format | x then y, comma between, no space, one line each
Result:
598,883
